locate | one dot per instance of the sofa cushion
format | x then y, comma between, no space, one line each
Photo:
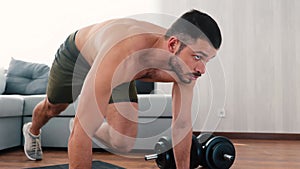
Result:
10,132
155,105
2,80
11,105
26,78
30,102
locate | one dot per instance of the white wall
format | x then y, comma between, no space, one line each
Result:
259,86
32,30
255,76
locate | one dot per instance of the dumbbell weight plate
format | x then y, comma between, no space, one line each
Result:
215,150
218,155
165,154
203,138
163,145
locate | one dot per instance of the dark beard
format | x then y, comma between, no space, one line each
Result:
175,66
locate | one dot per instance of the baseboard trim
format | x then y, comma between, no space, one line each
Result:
257,136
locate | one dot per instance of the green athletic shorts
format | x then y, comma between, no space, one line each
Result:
68,72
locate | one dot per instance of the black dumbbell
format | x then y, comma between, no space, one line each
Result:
203,138
164,156
214,152
219,153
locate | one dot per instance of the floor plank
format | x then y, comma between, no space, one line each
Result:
251,154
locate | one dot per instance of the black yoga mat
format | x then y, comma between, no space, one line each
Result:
96,165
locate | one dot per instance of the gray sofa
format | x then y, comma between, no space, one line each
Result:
154,121
11,117
25,87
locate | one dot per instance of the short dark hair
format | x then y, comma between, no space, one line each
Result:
187,23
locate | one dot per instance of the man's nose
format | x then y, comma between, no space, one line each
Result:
200,67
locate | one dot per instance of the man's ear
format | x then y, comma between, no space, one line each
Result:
173,44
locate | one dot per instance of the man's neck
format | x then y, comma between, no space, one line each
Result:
160,43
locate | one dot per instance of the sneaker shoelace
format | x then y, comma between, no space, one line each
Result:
36,146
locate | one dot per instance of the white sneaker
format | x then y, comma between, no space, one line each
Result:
71,124
32,144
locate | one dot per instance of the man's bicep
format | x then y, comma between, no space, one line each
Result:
181,104
176,100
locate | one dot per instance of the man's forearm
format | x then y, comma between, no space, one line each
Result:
181,140
182,124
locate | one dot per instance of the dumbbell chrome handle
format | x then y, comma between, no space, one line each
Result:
228,157
151,157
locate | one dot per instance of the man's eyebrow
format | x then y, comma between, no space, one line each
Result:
200,52
204,54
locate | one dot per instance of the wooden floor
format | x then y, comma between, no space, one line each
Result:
256,154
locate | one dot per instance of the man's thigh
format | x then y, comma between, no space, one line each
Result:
122,111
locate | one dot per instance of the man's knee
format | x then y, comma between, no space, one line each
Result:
122,120
53,110
123,142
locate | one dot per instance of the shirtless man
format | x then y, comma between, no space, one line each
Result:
104,60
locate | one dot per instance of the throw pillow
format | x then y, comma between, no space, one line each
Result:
26,78
2,80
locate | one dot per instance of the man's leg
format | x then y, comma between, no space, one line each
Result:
42,113
120,129
118,132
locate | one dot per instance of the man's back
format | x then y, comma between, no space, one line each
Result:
96,40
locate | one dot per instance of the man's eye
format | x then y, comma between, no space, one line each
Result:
197,57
